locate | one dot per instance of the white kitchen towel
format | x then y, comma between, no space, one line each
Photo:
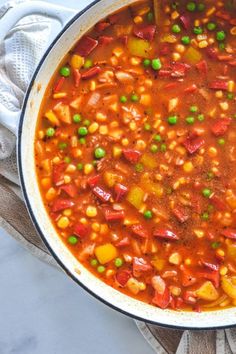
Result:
19,54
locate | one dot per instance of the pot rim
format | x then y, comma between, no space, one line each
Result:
31,212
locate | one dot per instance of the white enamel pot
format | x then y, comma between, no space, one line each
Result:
75,25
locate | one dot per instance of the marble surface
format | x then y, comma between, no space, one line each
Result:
44,312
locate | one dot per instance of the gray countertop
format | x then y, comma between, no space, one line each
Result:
44,312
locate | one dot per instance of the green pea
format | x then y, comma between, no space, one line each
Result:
163,148
197,30
123,99
62,146
205,216
134,98
88,64
118,262
83,131
158,138
150,16
72,240
80,166
221,46
211,26
82,141
206,192
172,120
154,148
65,71
190,120
176,29
221,141
101,269
147,126
156,64
215,245
174,5
201,7
99,153
193,109
77,118
94,262
201,117
191,6
50,132
230,95
139,167
185,40
220,36
67,159
146,63
147,214
86,122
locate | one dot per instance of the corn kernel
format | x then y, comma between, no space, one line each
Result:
116,151
219,94
83,221
142,286
223,270
188,167
176,56
41,134
231,85
224,106
140,144
103,130
96,226
212,151
46,182
104,229
145,99
67,212
63,222
70,168
135,61
148,83
174,15
180,48
59,95
91,211
93,236
175,290
220,252
125,142
92,86
88,168
76,61
110,273
132,126
101,117
138,20
175,258
67,179
203,44
187,261
118,52
93,128
51,194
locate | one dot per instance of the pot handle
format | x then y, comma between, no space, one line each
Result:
15,13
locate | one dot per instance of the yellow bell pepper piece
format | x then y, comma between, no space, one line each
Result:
111,178
192,55
105,253
207,292
149,161
135,196
229,286
76,61
139,47
52,118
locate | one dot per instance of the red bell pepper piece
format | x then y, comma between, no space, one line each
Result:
233,21
123,242
219,85
229,233
77,77
58,173
212,53
193,143
223,14
101,194
104,40
70,189
164,49
211,266
220,126
124,40
190,89
179,69
145,32
165,234
186,21
139,230
131,155
140,265
113,19
225,57
162,300
61,204
81,230
85,46
217,202
91,73
93,181
120,191
213,276
202,67
59,84
164,73
101,26
114,215
181,214
232,63
122,277
187,278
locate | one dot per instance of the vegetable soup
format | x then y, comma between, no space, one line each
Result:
135,152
